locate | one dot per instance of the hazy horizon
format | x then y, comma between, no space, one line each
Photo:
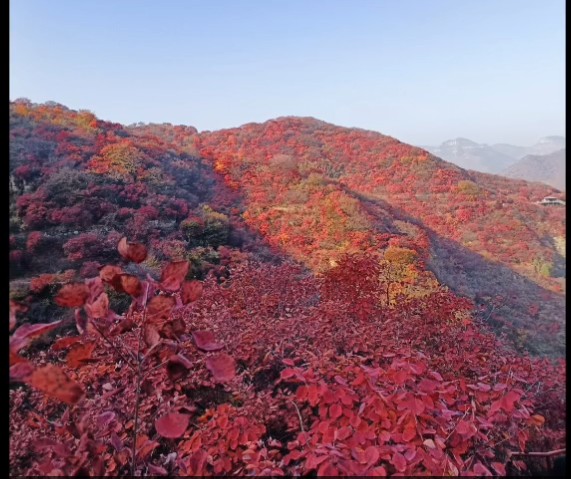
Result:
422,72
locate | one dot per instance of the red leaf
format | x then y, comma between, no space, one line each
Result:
99,308
95,287
157,470
409,432
174,329
287,373
172,425
428,386
108,272
80,354
509,400
335,411
151,336
15,308
52,381
145,447
372,455
130,284
135,252
16,358
160,308
173,275
206,341
64,343
222,367
499,468
464,428
191,291
21,371
378,472
536,420
482,470
196,463
398,461
72,295
27,332
105,418
327,469
343,433
401,377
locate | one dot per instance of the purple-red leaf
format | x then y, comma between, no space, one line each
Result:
135,252
15,308
108,272
52,381
151,335
172,425
64,343
72,295
99,308
191,291
173,275
95,287
160,308
398,461
21,371
206,341
222,367
130,284
80,354
27,332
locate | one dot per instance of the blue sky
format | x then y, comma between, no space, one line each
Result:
422,71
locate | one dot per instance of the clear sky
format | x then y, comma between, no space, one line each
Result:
422,71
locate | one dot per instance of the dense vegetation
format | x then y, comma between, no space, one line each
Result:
362,307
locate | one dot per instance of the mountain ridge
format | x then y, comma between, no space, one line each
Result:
494,158
549,169
272,179
339,287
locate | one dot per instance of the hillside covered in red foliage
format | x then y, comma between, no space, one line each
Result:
286,298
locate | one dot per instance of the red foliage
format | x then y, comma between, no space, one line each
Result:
370,367
72,295
89,269
33,241
206,341
172,425
135,252
16,257
221,366
27,332
173,275
53,382
87,245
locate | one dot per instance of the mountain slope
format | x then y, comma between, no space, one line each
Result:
301,186
331,336
548,169
544,146
318,191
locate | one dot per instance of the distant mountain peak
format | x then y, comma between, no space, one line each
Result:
549,169
495,158
461,142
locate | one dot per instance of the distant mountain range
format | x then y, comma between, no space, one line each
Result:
548,169
500,157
